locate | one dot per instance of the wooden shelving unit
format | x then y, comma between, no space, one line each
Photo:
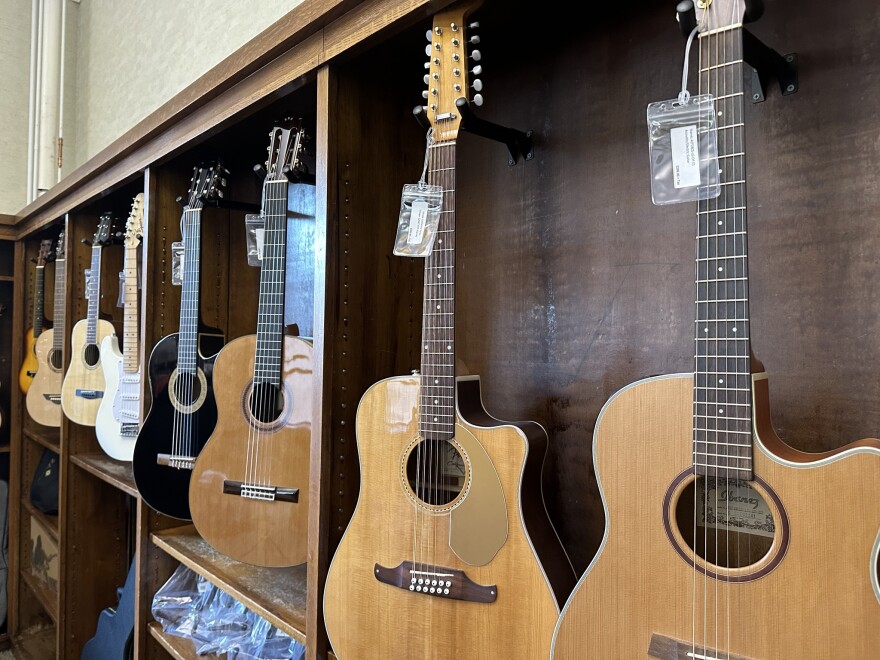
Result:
46,597
45,437
177,647
48,521
115,473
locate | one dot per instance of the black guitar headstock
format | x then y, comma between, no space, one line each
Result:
107,232
207,185
60,246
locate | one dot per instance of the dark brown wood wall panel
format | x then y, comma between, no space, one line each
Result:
572,284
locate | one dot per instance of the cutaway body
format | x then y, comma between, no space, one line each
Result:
83,386
814,594
44,396
244,450
522,568
166,487
119,413
29,365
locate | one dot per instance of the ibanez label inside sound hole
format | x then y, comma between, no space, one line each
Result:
435,471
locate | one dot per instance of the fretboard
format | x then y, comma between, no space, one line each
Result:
187,341
722,385
94,294
39,288
437,405
59,308
270,316
130,308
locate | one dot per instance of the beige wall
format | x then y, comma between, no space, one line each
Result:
125,58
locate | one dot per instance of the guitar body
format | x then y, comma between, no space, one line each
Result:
118,415
115,630
44,396
265,533
83,386
29,364
163,487
367,618
813,595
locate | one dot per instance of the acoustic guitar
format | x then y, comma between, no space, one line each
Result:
721,541
249,492
83,385
29,364
43,399
119,412
183,413
450,552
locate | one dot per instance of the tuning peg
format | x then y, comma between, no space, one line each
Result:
477,70
180,199
427,65
260,171
87,242
476,56
478,100
429,35
428,50
427,78
425,94
474,40
474,25
478,85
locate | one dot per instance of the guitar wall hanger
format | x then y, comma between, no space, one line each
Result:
518,143
221,203
766,64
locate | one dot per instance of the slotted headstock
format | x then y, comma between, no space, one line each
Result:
719,14
107,230
134,226
45,254
286,141
60,246
208,184
449,68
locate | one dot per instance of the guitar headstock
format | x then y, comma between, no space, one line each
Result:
60,246
208,184
719,14
106,232
45,254
286,141
134,226
449,68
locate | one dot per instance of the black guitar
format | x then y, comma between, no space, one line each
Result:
115,630
183,413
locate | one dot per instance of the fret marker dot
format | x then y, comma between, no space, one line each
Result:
439,276
435,419
438,306
734,328
436,381
720,410
720,269
720,380
720,222
449,348
436,401
426,346
439,240
705,329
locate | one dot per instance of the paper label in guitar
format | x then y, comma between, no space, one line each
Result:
732,504
685,156
177,250
255,227
420,206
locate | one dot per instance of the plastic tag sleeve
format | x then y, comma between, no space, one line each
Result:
420,207
177,248
88,281
683,150
255,226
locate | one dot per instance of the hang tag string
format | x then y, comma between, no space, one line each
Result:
685,96
429,140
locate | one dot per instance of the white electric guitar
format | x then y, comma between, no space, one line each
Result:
119,414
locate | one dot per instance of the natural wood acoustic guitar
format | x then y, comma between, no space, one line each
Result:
30,363
249,493
43,399
721,541
83,385
450,552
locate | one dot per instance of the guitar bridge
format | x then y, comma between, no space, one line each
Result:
266,493
175,461
436,581
54,398
667,648
90,394
128,430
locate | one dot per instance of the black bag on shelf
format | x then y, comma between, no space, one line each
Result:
44,487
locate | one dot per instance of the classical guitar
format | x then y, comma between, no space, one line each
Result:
183,413
43,399
29,364
450,552
119,413
721,541
249,492
83,385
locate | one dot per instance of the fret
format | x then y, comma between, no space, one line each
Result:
725,210
39,287
718,66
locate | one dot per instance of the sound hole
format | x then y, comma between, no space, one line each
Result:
91,354
733,526
267,402
435,471
55,359
187,388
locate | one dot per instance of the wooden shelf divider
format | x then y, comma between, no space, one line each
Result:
276,594
47,521
179,648
116,473
43,594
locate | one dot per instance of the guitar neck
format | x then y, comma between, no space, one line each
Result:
437,404
130,361
59,311
94,291
270,317
39,289
187,345
722,395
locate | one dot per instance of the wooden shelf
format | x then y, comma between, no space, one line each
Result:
36,644
44,435
4,449
115,473
47,521
179,648
45,596
7,278
276,594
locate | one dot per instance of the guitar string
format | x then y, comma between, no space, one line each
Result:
172,386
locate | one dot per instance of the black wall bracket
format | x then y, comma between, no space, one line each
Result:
519,144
